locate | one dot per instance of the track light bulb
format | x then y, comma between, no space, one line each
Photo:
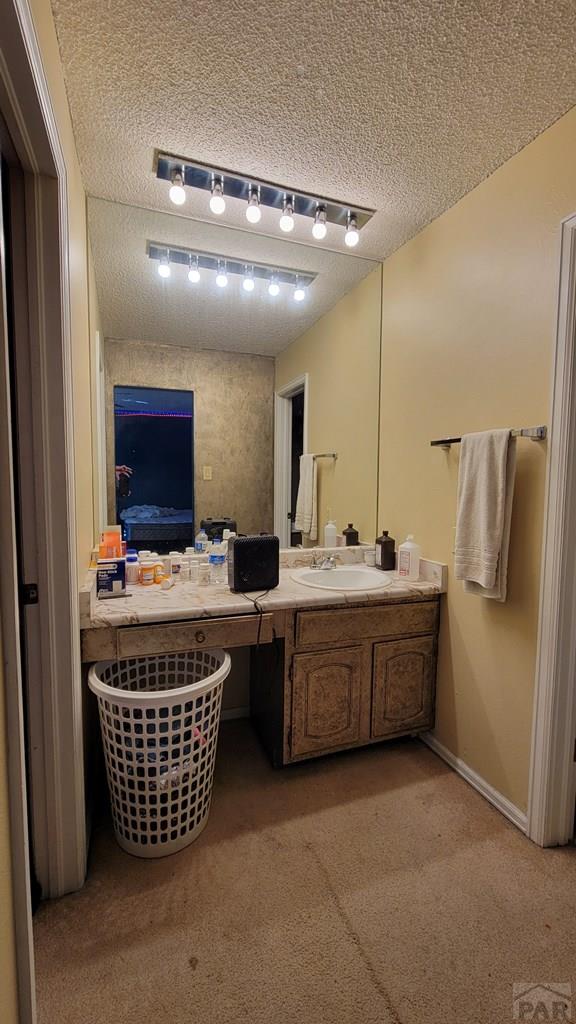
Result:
194,273
177,191
253,211
221,276
351,237
248,282
217,201
287,219
273,287
164,267
299,293
319,228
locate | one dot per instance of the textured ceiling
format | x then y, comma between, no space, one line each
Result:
136,303
399,105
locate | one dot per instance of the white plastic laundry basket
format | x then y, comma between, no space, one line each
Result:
159,717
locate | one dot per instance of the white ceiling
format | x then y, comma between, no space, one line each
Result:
399,105
135,303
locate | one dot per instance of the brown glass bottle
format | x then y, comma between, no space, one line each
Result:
385,552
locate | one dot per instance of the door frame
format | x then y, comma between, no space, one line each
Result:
552,788
57,762
283,452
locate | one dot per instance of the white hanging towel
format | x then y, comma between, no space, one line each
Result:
484,512
306,503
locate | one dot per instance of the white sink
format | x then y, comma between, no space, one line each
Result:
346,577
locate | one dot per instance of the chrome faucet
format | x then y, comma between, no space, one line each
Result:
320,561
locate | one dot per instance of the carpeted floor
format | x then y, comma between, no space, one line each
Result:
374,886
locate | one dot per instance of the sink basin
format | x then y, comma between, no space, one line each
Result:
346,577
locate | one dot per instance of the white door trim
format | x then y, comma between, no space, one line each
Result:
552,789
283,452
59,819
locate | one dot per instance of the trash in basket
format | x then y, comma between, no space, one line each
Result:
159,718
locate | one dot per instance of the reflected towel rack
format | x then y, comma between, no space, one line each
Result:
326,455
534,433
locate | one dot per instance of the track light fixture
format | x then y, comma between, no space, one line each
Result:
221,276
217,201
275,279
194,273
177,191
164,266
254,195
319,228
253,211
286,221
351,237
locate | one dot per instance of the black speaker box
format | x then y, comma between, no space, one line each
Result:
253,563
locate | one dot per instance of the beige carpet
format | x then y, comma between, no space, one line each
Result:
374,886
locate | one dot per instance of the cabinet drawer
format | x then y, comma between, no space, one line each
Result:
341,624
241,631
403,686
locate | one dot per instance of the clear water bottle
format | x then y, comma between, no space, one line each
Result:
201,542
217,562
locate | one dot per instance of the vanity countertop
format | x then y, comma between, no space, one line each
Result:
189,601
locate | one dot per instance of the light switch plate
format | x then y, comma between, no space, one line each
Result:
206,472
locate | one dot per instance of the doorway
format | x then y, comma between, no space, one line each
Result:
290,442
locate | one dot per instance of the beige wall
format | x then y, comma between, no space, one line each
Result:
469,310
233,423
78,268
341,354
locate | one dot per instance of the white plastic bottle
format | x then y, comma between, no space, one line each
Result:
409,559
201,542
330,533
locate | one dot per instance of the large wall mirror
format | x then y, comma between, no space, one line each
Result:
220,356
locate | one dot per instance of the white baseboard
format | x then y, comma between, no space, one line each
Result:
229,713
505,806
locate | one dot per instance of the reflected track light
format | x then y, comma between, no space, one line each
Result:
194,273
299,292
164,266
273,287
253,211
221,276
248,282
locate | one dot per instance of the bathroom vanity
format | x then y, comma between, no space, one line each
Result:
329,670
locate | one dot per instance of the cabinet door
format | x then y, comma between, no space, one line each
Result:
327,699
403,686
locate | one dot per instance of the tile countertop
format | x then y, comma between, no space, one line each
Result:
189,601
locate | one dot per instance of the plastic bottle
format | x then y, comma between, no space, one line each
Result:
201,542
409,559
132,567
330,533
385,553
217,560
175,565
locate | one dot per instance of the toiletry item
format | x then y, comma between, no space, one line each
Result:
132,567
351,535
369,557
144,555
160,573
185,570
111,542
111,578
167,583
194,570
189,551
175,564
409,559
385,552
147,572
203,574
217,562
330,533
201,541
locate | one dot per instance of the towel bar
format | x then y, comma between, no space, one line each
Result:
534,433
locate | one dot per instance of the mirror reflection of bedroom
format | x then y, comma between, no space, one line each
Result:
217,358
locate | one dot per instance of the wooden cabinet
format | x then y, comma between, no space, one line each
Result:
346,677
327,690
403,686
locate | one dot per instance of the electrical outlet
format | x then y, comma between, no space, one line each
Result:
206,472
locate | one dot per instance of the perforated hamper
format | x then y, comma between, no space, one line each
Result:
159,717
